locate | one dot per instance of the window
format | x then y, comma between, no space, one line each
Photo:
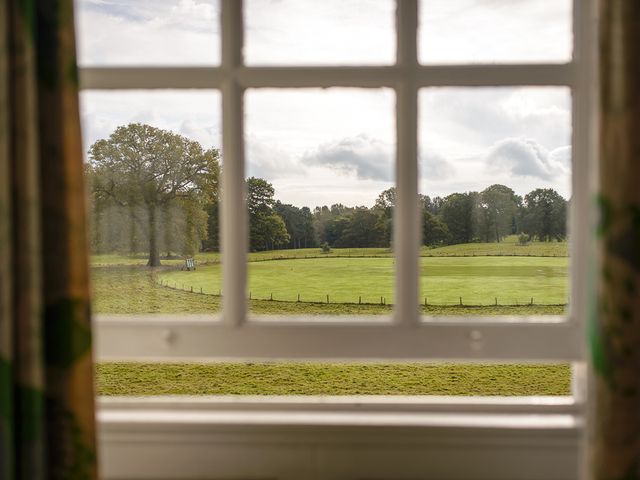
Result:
405,336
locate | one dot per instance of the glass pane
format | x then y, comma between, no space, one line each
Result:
330,32
495,31
495,184
317,162
148,32
152,169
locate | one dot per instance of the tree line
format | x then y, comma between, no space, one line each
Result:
158,192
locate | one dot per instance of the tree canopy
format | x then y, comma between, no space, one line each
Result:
154,190
160,180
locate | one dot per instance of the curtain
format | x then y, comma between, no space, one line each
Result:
616,339
46,372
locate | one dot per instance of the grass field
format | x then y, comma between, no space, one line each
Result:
331,379
132,290
478,280
508,247
122,285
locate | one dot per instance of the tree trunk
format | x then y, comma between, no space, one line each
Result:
154,253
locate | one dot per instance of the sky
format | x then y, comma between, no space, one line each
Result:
320,147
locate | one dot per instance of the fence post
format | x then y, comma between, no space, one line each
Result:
460,300
298,298
327,298
360,300
271,297
531,300
425,301
496,301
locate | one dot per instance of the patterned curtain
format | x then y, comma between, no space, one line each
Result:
616,349
46,373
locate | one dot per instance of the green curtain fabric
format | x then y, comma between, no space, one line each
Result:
46,371
616,346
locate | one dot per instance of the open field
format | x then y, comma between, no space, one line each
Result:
132,290
509,247
331,379
123,285
478,280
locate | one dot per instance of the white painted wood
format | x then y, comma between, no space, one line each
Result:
585,163
234,228
224,441
120,78
100,78
198,338
406,214
537,405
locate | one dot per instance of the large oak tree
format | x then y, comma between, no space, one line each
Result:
150,170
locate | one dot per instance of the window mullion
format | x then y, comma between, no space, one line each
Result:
234,212
406,232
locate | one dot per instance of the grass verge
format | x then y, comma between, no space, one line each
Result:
132,290
139,379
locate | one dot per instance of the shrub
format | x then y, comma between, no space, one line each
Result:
325,248
523,239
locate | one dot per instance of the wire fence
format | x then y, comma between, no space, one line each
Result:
328,299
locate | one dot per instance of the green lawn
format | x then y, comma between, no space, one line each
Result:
509,247
478,280
122,285
132,290
331,379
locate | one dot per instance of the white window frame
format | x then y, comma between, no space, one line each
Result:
404,337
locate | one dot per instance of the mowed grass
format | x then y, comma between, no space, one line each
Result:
443,280
140,379
508,247
133,290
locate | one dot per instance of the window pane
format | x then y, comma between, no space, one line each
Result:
152,167
330,32
317,162
148,32
495,31
495,180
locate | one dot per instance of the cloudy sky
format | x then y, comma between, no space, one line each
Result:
337,145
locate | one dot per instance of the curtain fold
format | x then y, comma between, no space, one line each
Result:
46,370
616,343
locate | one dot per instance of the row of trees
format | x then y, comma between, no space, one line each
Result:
155,191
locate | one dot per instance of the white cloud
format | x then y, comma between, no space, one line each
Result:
436,167
269,160
195,115
300,139
495,31
148,32
368,158
522,157
320,32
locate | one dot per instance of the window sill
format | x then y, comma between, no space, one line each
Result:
339,437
